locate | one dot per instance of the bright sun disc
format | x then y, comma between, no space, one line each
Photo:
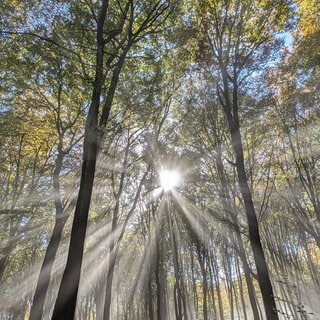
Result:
169,179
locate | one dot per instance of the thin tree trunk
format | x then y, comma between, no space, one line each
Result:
201,253
39,297
42,286
177,288
205,292
212,287
239,242
231,112
194,284
161,299
217,282
99,298
67,295
229,283
241,291
114,249
115,246
255,240
149,298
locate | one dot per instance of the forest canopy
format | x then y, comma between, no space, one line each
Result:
159,159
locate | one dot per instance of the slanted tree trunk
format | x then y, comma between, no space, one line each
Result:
215,272
66,300
149,22
226,201
202,261
179,294
160,283
65,305
114,247
229,100
229,55
254,233
39,297
241,291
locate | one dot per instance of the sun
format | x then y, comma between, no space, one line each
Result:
169,179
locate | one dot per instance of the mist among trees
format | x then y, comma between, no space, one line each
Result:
159,160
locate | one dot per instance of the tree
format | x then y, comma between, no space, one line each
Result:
306,35
179,99
231,47
134,22
65,110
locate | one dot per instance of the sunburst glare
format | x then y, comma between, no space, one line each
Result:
169,179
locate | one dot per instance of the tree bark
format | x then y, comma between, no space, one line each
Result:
230,213
42,286
65,305
254,236
67,295
39,297
215,272
229,101
178,293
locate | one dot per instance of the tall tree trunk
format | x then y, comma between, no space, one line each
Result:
159,263
241,291
149,297
202,257
161,298
67,295
114,246
204,290
194,282
65,305
39,297
213,297
42,286
99,295
226,201
229,282
114,249
231,109
254,233
218,287
177,295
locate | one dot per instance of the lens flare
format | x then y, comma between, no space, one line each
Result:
169,179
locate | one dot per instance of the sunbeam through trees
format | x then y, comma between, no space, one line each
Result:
160,160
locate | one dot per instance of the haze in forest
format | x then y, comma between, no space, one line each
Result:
159,160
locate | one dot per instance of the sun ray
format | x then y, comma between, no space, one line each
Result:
169,179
